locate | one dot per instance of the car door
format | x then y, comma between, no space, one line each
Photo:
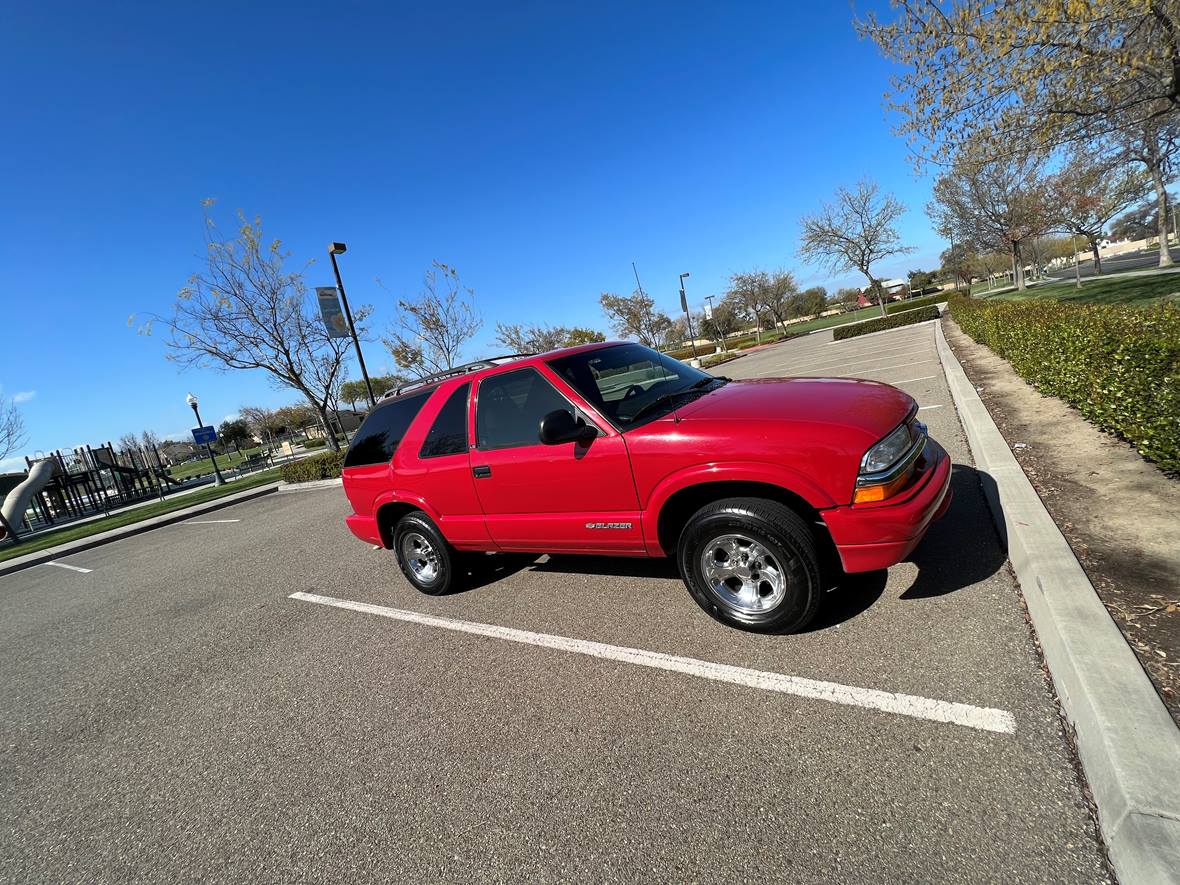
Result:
569,497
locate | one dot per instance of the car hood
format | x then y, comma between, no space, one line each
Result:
867,406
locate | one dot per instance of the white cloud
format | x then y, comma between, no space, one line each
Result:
8,463
24,396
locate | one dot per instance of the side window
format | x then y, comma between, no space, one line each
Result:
378,437
511,407
448,434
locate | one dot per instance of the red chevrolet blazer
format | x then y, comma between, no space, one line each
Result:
758,488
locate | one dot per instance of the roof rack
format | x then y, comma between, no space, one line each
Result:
487,363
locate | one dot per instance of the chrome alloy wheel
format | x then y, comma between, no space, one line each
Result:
418,553
742,574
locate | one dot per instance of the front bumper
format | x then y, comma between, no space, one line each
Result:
876,536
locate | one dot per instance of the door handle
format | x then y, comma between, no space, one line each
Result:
482,471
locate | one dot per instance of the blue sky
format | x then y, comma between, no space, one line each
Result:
539,148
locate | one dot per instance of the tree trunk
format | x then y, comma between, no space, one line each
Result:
1097,257
333,444
1161,195
1017,267
875,288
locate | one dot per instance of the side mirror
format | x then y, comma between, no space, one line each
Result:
560,426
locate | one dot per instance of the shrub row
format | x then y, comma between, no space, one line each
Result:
1117,365
315,442
893,321
323,466
899,306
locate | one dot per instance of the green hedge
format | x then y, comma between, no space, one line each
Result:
315,443
1117,365
880,324
324,466
899,306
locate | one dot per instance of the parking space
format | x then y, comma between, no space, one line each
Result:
217,703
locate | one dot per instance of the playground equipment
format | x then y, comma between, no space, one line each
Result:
16,502
63,487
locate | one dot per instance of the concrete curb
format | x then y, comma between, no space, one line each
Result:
311,484
50,553
1128,743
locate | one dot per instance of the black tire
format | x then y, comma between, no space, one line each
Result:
784,596
435,569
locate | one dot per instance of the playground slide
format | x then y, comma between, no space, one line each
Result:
14,506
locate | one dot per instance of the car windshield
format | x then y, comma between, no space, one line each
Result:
630,383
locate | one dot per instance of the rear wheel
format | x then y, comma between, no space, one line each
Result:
751,563
424,556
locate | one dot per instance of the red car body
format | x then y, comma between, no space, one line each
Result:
799,439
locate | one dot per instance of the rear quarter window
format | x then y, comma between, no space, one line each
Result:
379,435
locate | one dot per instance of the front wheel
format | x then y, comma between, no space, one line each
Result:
424,556
751,563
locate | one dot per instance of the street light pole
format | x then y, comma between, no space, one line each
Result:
218,479
713,312
1077,271
335,249
692,338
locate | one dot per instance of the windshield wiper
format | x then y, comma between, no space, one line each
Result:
665,398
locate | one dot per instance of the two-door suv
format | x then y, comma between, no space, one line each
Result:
760,489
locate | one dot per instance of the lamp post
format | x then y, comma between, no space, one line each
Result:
692,337
335,249
712,315
218,479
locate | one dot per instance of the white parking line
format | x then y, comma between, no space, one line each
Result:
207,521
72,568
924,408
808,367
895,368
980,718
908,380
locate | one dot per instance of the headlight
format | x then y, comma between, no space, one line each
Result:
887,452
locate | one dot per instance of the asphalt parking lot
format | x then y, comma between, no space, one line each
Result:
174,713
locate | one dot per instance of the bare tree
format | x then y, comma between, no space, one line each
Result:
1153,144
760,293
1087,194
12,428
244,310
635,316
263,423
127,444
855,232
431,330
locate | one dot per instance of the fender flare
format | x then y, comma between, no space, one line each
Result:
401,496
780,475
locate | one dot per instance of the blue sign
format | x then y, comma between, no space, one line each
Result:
204,436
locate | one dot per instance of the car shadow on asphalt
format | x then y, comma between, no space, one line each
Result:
962,548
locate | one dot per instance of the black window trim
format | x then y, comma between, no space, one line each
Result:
577,412
466,425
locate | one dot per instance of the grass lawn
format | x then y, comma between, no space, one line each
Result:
1122,289
156,508
225,462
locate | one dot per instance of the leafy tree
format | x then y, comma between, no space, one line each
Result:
959,263
999,204
353,392
518,338
431,329
295,417
921,279
635,316
234,433
724,319
855,232
1138,224
810,302
1086,194
579,335
1031,74
244,310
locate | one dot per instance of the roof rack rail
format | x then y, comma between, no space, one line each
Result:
487,363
